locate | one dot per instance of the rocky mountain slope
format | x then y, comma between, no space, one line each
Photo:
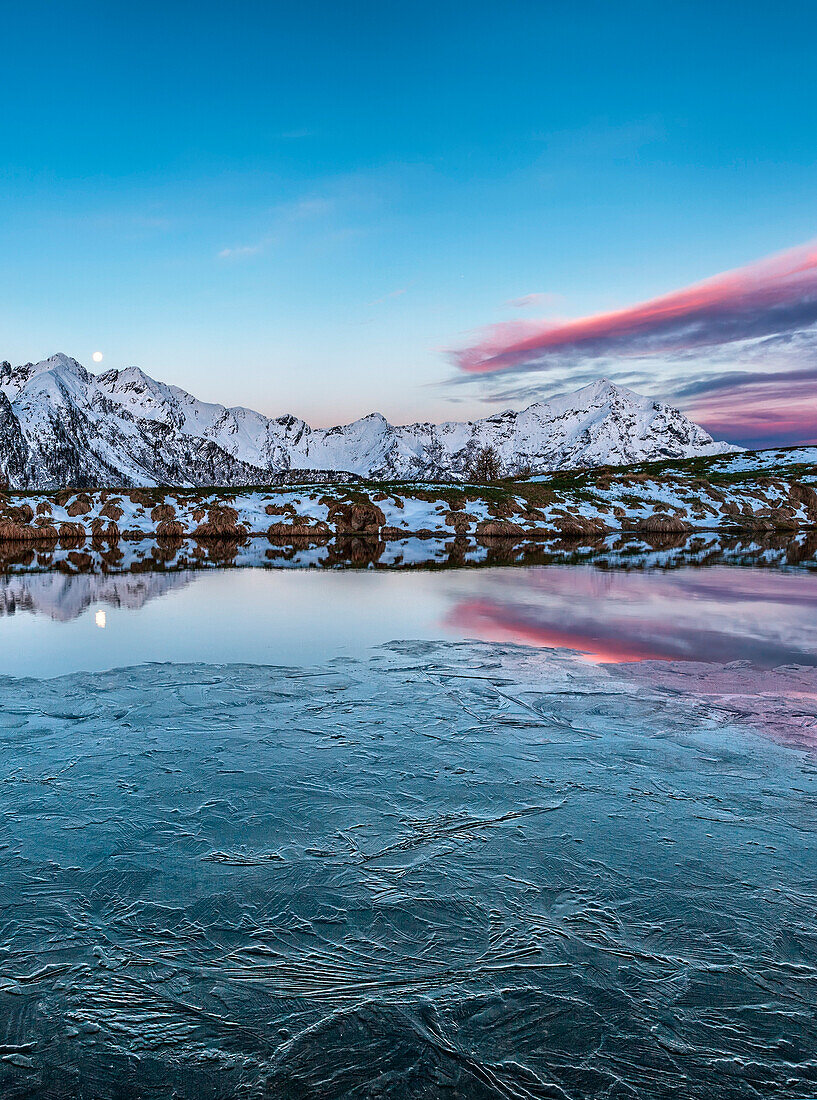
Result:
61,425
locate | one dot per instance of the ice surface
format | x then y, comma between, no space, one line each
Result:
443,870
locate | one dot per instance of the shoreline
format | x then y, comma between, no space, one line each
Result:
589,504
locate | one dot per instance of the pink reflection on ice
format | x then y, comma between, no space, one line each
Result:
681,630
779,702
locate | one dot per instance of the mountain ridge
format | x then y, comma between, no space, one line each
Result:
61,425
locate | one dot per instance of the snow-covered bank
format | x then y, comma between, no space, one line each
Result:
761,492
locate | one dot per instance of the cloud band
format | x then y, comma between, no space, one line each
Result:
773,296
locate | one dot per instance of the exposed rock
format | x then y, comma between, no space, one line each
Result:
805,495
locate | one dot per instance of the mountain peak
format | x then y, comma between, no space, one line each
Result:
125,428
58,370
61,362
603,388
126,376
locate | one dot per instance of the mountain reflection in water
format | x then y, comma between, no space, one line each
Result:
716,613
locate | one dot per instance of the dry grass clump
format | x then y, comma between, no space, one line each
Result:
102,532
14,530
162,512
783,519
578,526
221,523
499,529
660,523
169,529
72,534
111,510
45,530
80,507
299,529
501,509
22,513
358,517
460,521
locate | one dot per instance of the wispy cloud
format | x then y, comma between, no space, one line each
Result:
538,300
245,249
388,297
773,296
283,218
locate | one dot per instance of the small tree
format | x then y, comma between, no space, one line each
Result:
486,466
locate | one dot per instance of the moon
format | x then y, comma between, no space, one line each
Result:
97,357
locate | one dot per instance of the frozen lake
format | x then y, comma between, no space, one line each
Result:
517,833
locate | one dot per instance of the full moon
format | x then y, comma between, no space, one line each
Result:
97,357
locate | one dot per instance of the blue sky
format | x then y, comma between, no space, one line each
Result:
301,207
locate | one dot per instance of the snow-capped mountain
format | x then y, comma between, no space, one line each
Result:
65,597
61,425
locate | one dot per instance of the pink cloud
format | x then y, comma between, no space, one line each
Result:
774,295
778,702
762,413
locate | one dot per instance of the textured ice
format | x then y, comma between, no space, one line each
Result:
444,870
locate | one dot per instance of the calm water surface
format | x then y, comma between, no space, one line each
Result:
51,624
513,833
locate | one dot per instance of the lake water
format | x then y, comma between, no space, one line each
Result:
488,832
